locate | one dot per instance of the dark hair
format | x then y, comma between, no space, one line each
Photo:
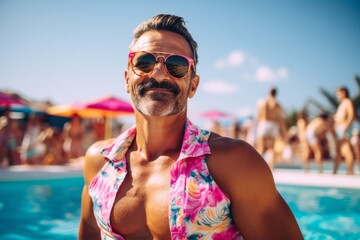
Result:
345,90
273,91
324,115
167,22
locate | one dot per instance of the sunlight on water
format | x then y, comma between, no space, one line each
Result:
325,213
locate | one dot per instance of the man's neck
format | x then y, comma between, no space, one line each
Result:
157,136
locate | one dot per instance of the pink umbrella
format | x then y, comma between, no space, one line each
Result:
11,100
109,107
111,104
215,114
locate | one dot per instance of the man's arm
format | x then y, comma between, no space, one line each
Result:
350,114
282,123
88,228
258,209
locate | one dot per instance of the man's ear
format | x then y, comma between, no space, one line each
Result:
194,83
127,86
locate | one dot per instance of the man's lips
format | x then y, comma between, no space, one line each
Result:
159,90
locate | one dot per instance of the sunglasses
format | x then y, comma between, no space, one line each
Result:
177,66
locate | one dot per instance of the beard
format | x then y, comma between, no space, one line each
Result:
154,98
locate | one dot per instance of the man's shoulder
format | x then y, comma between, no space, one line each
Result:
96,148
261,103
94,160
348,102
226,150
221,143
234,160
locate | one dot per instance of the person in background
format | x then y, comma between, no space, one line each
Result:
98,127
32,148
11,136
165,178
73,135
270,126
5,156
13,142
344,117
52,138
301,124
315,134
355,143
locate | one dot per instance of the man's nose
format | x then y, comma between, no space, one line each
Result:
159,72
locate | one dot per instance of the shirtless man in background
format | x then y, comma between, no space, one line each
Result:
270,126
315,132
344,117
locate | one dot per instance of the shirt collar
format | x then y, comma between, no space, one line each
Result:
195,143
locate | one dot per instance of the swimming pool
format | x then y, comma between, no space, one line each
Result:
325,213
50,209
43,209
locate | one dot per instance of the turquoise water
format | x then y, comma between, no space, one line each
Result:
50,210
325,213
40,209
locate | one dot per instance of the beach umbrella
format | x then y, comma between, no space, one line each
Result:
111,105
215,115
68,110
9,100
107,107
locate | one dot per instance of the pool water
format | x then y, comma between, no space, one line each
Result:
325,213
51,209
40,209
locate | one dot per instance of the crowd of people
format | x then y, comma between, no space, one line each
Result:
323,138
33,141
326,137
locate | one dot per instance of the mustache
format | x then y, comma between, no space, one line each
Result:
153,84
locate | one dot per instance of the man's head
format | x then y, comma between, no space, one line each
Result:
326,117
273,92
342,92
169,23
161,66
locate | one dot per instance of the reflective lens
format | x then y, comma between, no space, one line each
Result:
177,66
143,62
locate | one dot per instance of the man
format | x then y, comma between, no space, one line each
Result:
270,126
344,117
167,179
315,134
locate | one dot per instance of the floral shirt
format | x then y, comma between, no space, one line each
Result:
198,209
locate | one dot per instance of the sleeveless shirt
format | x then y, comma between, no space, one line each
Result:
198,209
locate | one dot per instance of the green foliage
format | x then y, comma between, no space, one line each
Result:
314,108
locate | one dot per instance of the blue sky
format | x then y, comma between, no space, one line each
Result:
67,51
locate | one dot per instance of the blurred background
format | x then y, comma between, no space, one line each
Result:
62,88
71,51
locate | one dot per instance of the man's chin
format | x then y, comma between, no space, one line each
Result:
156,109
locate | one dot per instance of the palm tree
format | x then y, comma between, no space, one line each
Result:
313,107
356,97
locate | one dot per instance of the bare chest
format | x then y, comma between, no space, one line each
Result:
141,205
341,113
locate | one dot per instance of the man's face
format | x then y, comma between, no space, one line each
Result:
157,93
340,95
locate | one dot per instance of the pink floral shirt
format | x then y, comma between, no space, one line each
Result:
198,209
